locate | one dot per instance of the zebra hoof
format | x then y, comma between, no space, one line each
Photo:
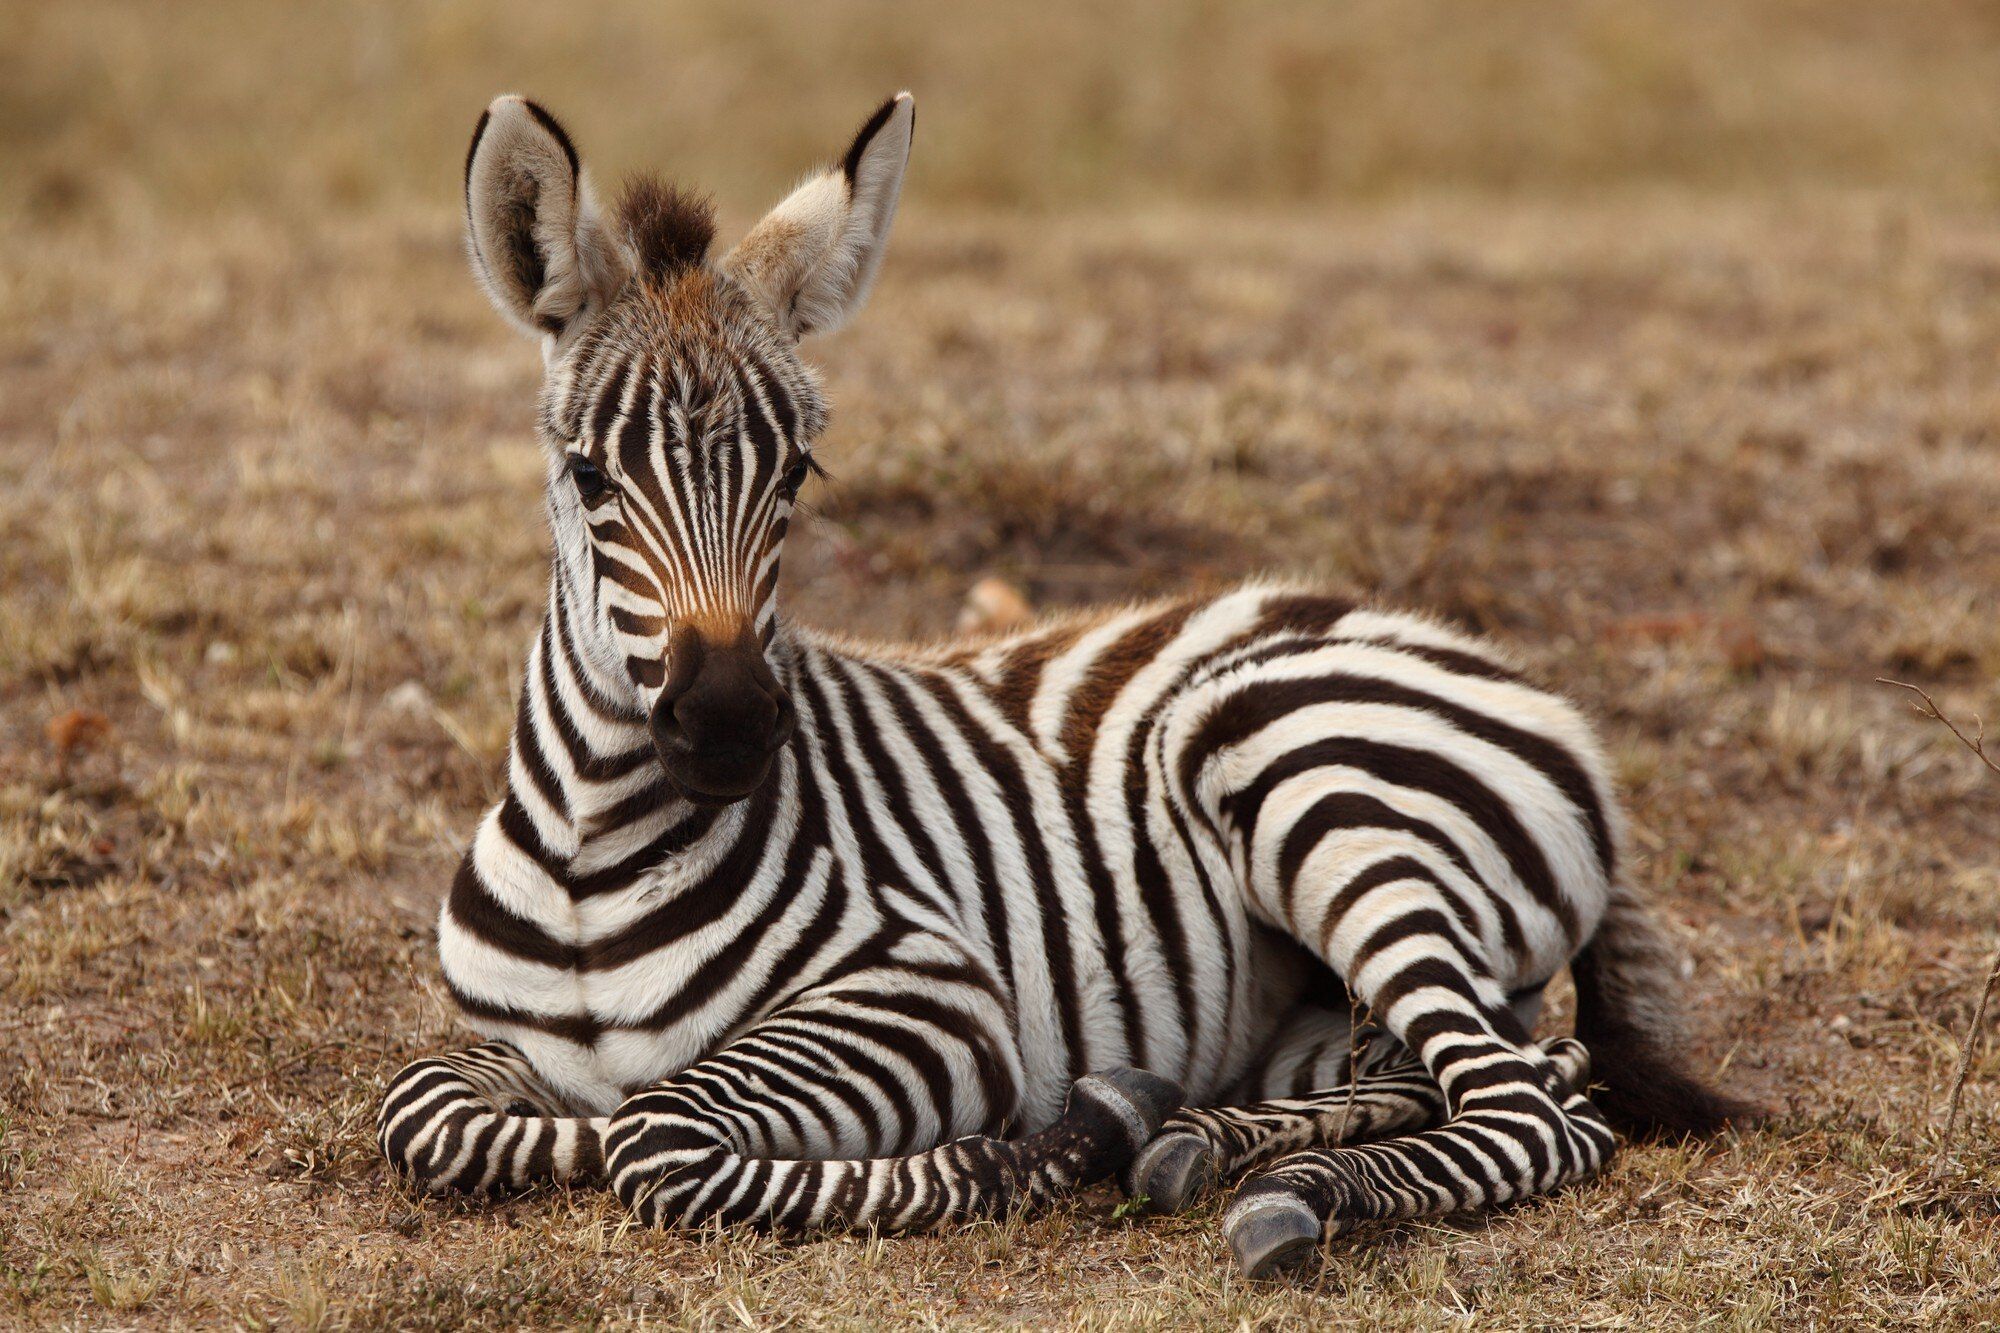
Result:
1271,1234
1139,1101
1172,1172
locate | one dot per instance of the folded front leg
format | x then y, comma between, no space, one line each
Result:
480,1121
841,1110
671,1158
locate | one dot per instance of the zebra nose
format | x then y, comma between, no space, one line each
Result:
720,702
726,707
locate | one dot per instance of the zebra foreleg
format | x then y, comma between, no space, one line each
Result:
480,1121
750,1135
675,1162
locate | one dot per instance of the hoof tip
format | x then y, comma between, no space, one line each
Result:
1172,1172
1144,1100
1271,1235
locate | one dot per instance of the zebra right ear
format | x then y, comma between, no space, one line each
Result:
814,257
537,243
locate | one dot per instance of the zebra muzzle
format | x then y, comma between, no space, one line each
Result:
721,718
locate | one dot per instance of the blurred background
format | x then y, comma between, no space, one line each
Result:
227,103
1660,341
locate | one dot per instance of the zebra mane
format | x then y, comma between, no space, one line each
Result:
668,228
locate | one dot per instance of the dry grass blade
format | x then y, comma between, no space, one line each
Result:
1976,743
1928,708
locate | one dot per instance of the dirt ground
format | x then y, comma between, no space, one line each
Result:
1713,459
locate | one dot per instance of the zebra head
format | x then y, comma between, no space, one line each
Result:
677,414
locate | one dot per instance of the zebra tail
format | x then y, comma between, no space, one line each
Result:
1629,1016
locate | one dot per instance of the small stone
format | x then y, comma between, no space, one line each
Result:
995,606
78,729
409,698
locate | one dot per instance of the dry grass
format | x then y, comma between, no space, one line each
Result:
1716,458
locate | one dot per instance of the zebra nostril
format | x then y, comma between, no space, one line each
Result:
686,655
665,723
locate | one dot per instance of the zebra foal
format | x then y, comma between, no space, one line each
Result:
776,929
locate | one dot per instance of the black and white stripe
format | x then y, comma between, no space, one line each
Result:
914,974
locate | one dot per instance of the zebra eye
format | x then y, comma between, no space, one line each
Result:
795,476
590,480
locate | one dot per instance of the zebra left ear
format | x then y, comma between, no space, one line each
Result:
814,257
538,246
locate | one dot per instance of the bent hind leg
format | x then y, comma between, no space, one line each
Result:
1282,1215
1514,1127
1389,1093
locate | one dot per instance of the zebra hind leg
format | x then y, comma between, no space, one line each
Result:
1391,1093
480,1121
1519,1124
1353,1083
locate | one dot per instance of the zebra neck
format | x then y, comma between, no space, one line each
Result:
584,770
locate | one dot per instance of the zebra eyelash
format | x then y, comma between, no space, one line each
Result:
803,468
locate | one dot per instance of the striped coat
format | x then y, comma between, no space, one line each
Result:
776,928
1093,826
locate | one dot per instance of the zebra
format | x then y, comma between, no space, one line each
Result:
775,928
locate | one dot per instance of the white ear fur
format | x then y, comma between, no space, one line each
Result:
538,245
814,257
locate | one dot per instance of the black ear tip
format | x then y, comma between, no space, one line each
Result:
472,149
556,131
851,163
512,106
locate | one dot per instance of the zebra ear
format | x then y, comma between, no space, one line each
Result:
814,257
538,246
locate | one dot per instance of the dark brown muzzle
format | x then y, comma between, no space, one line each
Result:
722,716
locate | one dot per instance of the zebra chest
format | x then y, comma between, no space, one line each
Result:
666,973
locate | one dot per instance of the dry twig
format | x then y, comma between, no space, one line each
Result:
1977,744
1355,1010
